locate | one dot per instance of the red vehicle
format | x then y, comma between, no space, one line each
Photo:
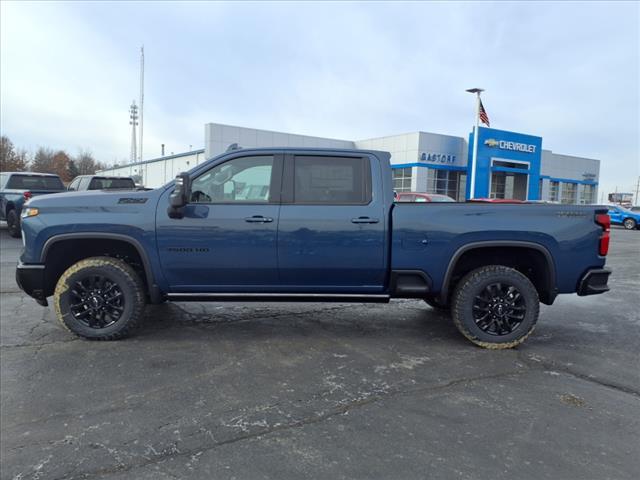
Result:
422,197
497,200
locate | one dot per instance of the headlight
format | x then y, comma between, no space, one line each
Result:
29,212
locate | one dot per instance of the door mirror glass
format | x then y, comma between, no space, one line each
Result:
180,195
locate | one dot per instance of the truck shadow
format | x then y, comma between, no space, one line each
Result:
210,321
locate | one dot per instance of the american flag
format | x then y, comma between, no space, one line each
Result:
484,118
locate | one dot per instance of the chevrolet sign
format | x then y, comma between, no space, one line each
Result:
515,146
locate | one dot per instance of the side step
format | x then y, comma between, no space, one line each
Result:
278,297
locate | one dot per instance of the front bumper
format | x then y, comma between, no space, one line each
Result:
30,279
594,282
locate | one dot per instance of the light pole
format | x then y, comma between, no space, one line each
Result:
474,156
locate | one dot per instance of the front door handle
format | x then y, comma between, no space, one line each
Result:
258,219
364,220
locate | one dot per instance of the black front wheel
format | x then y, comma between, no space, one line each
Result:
495,307
629,224
13,224
100,298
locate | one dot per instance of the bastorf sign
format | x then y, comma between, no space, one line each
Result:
443,158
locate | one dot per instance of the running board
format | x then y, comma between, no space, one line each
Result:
278,297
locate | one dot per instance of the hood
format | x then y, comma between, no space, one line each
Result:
94,198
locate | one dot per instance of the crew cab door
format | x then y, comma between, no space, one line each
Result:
226,240
331,236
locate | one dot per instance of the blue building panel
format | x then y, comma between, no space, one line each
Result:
501,145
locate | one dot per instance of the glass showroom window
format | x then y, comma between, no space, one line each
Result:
554,191
498,185
569,193
540,186
402,179
445,182
588,194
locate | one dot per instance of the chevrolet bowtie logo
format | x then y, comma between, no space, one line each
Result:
491,142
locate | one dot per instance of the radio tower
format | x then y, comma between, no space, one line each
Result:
141,98
133,121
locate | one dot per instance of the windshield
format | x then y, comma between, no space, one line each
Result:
35,182
441,198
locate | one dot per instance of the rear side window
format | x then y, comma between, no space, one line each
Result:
34,182
106,183
331,180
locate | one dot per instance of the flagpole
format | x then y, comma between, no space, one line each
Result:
474,156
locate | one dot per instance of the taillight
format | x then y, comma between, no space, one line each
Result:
604,221
27,195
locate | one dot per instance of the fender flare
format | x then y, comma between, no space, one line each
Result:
551,268
154,291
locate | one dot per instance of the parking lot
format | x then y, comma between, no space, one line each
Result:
324,391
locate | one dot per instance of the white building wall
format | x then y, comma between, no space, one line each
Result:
403,148
219,137
159,171
570,167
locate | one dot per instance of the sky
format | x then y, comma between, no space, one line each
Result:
568,72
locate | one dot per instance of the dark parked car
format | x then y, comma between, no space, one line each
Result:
422,197
305,225
99,182
18,187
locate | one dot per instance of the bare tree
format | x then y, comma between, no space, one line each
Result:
11,160
43,161
85,163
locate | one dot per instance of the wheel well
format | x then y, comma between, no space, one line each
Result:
64,253
531,262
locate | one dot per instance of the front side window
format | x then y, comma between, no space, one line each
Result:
241,180
331,180
74,184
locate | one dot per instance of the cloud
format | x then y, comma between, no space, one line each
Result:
567,72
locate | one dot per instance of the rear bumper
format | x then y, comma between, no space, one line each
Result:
30,279
594,282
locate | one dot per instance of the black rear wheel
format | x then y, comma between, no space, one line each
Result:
13,224
495,307
629,223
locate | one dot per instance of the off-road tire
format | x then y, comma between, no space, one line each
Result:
436,305
472,285
13,224
119,273
629,224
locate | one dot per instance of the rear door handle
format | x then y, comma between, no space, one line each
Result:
364,220
258,219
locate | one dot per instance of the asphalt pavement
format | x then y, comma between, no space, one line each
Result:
327,391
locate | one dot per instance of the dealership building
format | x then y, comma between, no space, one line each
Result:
509,164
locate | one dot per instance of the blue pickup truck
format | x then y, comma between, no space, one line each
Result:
305,225
18,187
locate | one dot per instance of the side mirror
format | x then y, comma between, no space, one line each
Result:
180,196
